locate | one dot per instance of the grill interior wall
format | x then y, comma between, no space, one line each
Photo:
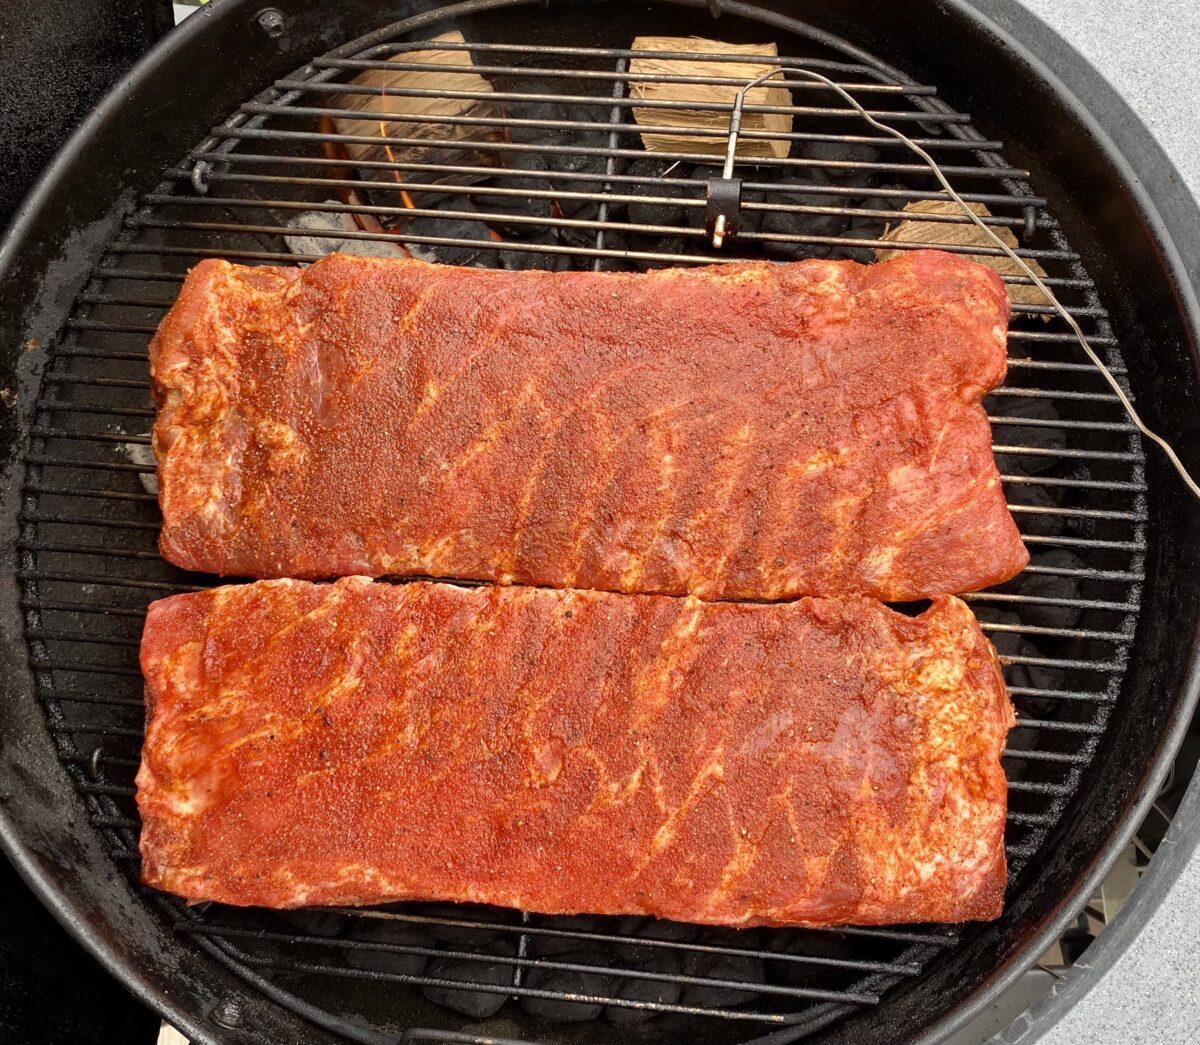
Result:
1072,466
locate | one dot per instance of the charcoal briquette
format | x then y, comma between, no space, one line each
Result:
1007,643
554,113
565,982
1048,585
1043,438
541,260
1047,523
733,967
840,152
863,255
547,946
669,245
895,203
382,931
651,929
655,991
577,163
476,1004
313,923
462,937
498,208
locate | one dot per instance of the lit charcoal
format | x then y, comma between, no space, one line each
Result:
659,992
1043,524
1016,435
566,981
382,931
499,207
652,929
476,1004
839,152
732,967
313,923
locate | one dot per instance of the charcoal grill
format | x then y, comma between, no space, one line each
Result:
1096,671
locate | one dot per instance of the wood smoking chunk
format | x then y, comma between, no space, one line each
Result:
707,94
913,230
383,112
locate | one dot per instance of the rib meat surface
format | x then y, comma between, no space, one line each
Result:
742,431
820,762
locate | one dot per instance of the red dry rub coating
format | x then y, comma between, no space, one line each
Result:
820,762
740,431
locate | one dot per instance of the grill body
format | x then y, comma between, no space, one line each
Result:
119,157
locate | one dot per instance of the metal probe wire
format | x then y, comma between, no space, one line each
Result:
735,125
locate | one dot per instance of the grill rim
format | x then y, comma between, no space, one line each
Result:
81,921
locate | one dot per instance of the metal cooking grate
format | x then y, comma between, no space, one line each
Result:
567,185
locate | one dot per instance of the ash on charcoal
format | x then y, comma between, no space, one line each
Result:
732,967
382,931
660,992
567,982
839,152
142,455
330,222
476,1004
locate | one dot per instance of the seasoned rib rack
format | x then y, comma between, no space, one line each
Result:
739,431
822,762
